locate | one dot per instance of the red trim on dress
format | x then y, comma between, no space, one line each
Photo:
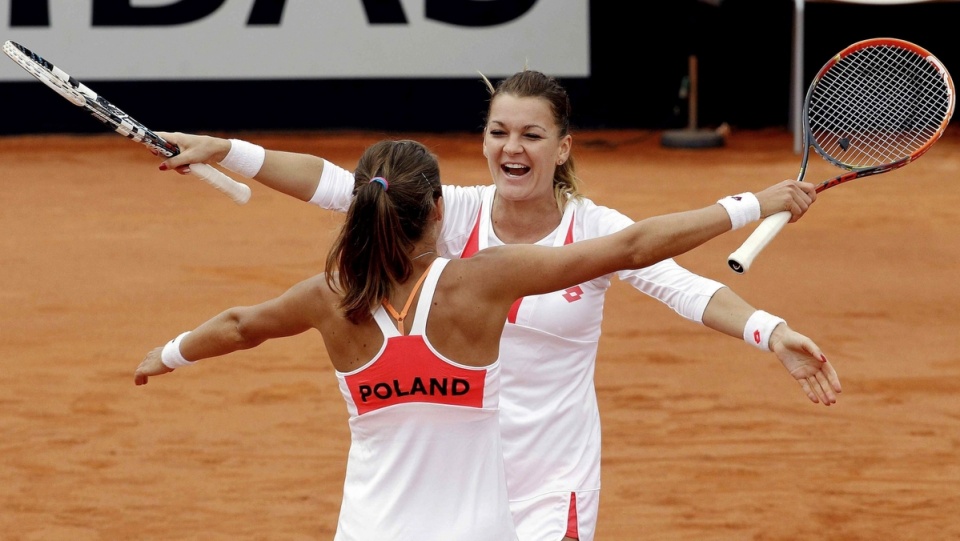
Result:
569,239
572,531
473,242
473,246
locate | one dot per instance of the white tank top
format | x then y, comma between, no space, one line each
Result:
425,459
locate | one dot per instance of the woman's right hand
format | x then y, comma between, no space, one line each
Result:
193,149
788,195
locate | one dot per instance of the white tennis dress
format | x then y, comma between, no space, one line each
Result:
549,417
425,459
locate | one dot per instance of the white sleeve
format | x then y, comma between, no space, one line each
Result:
461,206
684,292
335,190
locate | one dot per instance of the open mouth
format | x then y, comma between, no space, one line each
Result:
515,170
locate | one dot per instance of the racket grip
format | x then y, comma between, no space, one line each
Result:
741,259
238,191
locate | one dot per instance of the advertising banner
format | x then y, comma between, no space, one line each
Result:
131,40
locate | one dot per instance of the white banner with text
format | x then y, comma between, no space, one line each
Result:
130,40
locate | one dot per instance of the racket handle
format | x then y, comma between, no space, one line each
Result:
741,259
238,191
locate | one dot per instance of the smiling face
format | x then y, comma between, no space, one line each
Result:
523,147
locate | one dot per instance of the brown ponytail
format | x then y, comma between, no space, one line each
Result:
396,188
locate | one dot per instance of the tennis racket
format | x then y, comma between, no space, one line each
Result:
78,94
874,107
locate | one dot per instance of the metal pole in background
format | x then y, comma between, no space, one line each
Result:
796,89
692,136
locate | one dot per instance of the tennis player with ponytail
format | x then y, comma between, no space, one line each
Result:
550,421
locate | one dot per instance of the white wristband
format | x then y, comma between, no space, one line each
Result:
170,355
244,158
759,327
743,208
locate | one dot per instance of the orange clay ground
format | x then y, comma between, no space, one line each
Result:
104,257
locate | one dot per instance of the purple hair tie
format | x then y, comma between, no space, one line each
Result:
381,181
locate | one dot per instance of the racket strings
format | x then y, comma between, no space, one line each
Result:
901,116
877,106
888,127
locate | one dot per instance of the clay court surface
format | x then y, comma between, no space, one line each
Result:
104,257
